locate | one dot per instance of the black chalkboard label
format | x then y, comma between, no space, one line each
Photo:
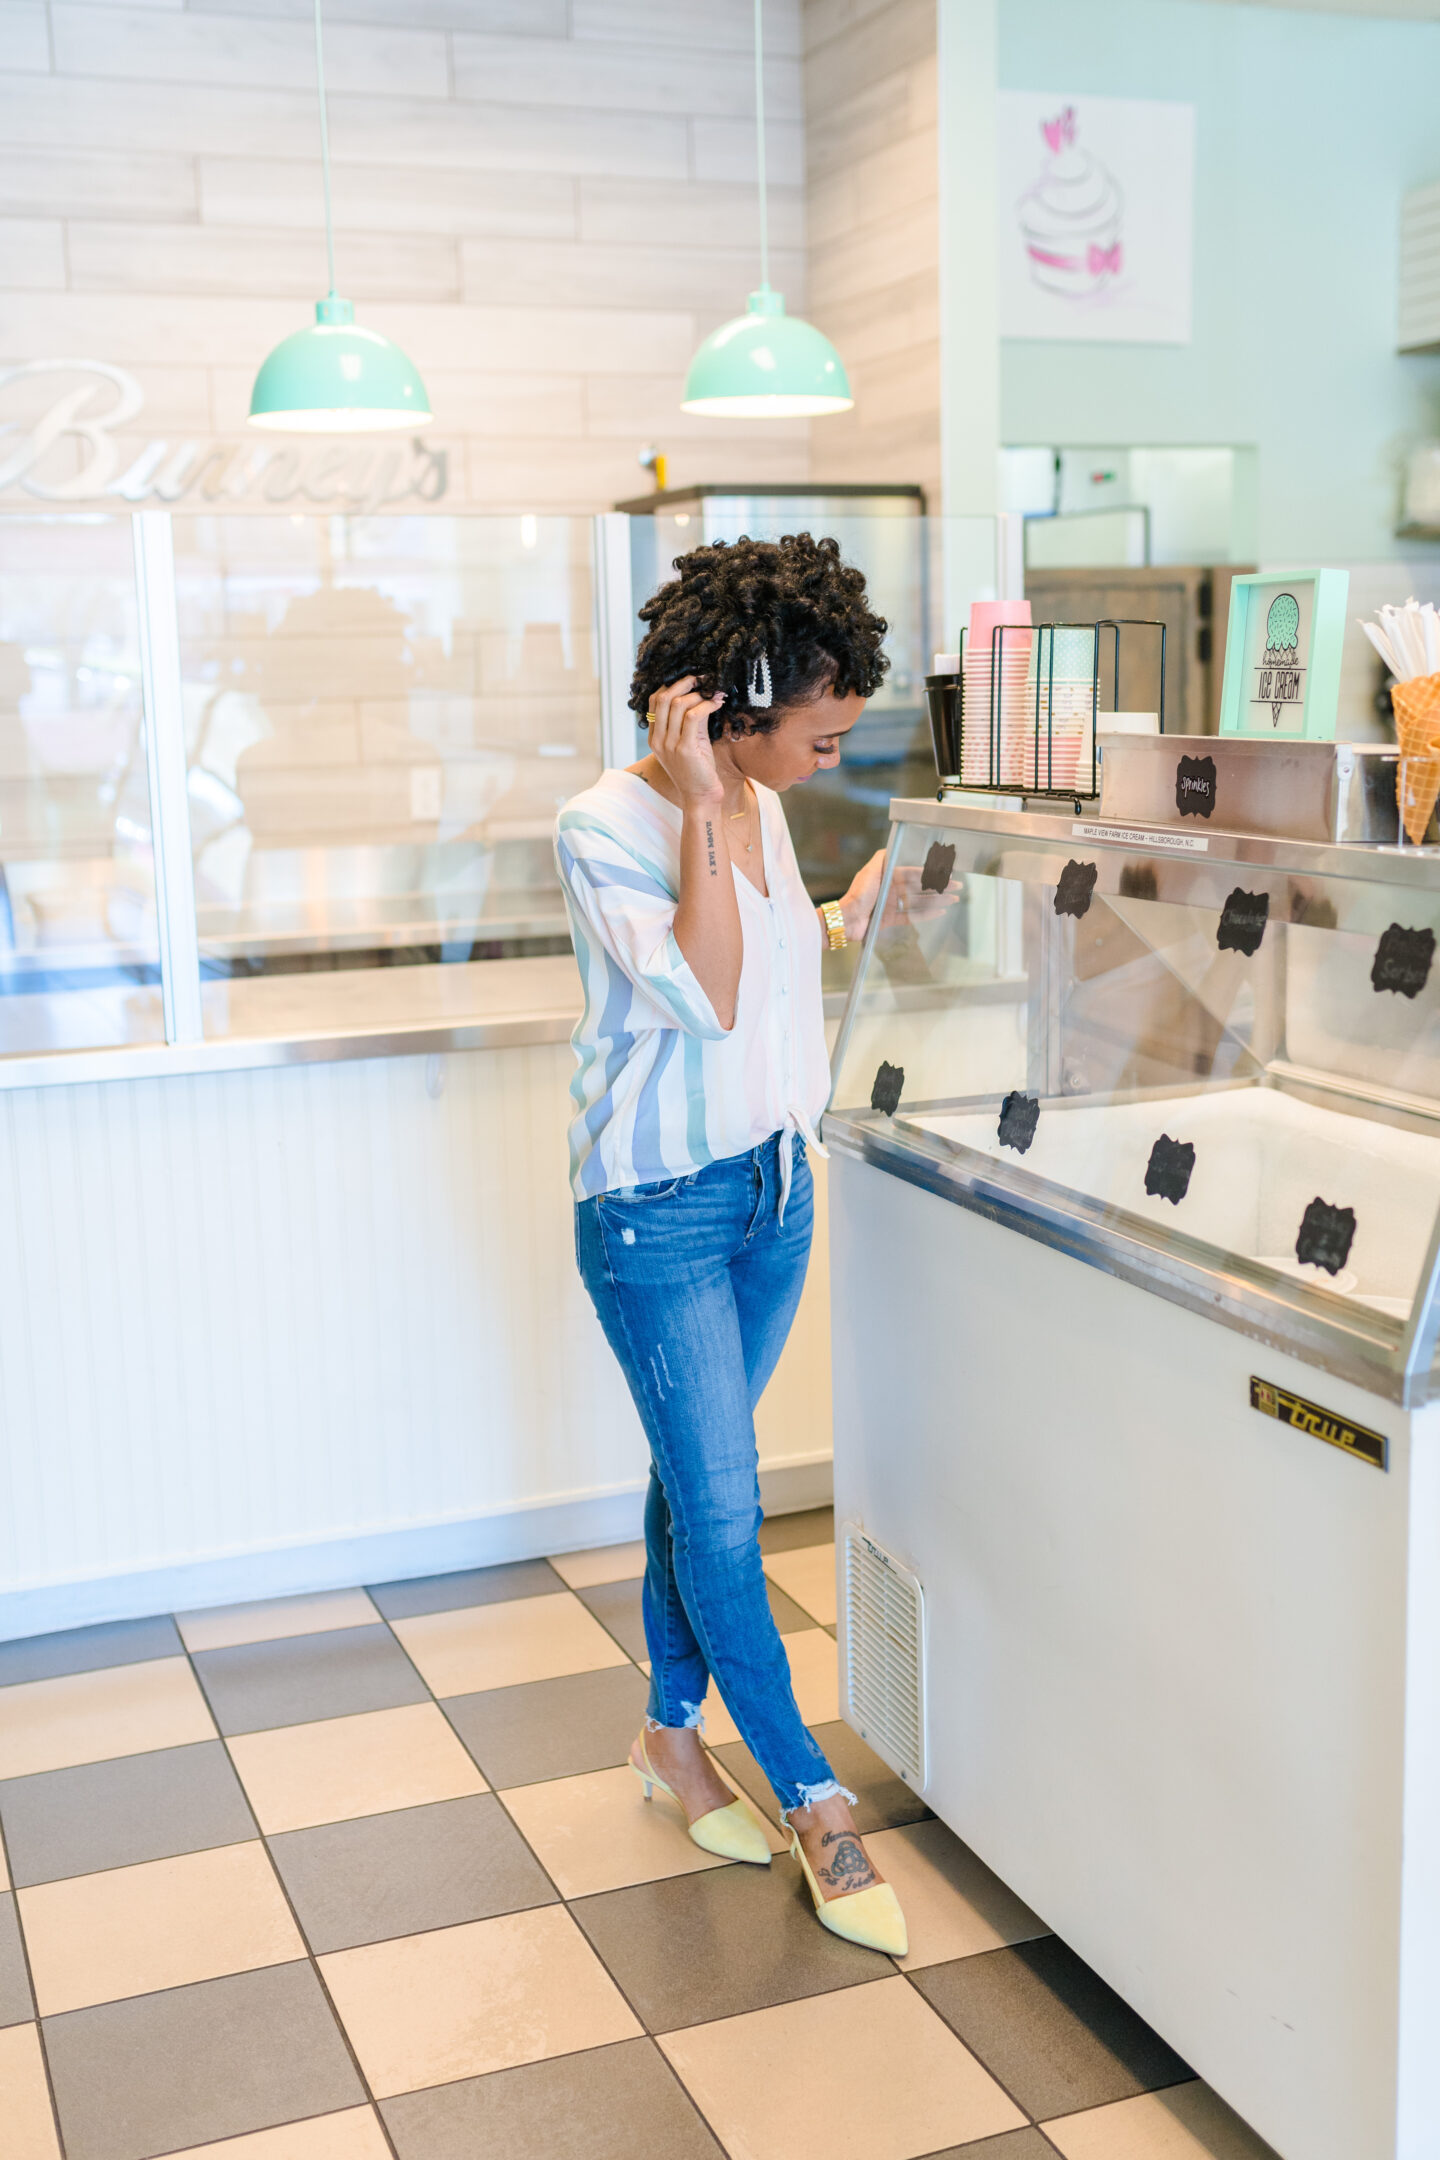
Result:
1195,786
1326,1235
1019,1116
1304,1416
1168,1172
1242,921
938,865
1076,888
1402,960
885,1095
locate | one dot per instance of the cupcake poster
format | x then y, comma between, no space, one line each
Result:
1096,218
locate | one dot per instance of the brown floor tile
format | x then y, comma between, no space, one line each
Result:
598,1832
87,1649
882,1801
127,1809
298,1679
354,2134
424,1867
808,1526
89,1716
1189,2122
462,2001
1051,2030
217,1627
617,1606
604,1563
552,1728
954,1906
338,1768
742,1938
470,1586
504,1645
16,2006
164,1924
1010,2145
613,2103
902,2085
807,1574
197,2064
29,2122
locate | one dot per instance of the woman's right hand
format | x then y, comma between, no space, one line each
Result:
680,739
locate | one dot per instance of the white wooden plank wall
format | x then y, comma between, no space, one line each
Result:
872,216
547,202
261,1310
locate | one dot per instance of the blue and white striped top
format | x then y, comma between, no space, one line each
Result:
661,1088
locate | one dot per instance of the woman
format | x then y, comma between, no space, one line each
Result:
702,1075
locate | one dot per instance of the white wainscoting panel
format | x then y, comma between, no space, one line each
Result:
256,1313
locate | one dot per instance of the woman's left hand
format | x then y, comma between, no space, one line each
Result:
905,902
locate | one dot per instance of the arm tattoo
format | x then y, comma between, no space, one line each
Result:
846,1868
710,846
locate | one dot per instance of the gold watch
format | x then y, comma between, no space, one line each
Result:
834,923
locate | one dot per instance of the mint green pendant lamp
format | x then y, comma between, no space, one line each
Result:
336,379
765,364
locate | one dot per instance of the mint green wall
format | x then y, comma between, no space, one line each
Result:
1309,129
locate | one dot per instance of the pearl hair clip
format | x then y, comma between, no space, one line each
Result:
758,688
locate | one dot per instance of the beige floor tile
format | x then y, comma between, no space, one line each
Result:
368,1764
808,1575
909,2086
1189,2122
133,1930
354,2134
490,1646
598,1832
88,1717
25,2097
814,1674
461,2001
218,1626
954,1906
607,1563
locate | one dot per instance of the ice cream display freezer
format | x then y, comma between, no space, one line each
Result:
1135,1236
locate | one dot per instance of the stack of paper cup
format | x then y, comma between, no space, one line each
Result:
1062,691
995,697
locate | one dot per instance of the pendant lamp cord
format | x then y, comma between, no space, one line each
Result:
759,137
325,146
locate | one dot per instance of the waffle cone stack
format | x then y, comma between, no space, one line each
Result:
1417,730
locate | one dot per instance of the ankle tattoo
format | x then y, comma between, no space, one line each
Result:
844,1866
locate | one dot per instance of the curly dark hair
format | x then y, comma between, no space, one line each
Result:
794,600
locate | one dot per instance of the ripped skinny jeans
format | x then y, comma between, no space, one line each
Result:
696,1282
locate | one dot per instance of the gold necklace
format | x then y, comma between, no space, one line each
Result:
736,815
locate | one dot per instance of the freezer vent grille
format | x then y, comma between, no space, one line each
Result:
882,1655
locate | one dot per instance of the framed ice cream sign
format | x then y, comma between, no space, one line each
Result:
1282,654
1096,205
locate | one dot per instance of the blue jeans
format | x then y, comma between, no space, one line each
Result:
696,1282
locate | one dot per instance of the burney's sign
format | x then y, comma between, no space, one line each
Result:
81,448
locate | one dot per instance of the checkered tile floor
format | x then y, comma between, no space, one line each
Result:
364,1874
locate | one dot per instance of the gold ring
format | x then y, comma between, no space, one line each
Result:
652,716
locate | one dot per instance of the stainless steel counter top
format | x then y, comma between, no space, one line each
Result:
314,1018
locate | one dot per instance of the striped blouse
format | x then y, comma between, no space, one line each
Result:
661,1088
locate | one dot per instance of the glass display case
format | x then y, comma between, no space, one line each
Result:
79,957
1208,1063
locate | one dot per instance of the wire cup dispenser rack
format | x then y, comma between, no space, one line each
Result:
1024,718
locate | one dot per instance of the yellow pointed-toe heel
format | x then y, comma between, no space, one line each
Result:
872,1917
732,1832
